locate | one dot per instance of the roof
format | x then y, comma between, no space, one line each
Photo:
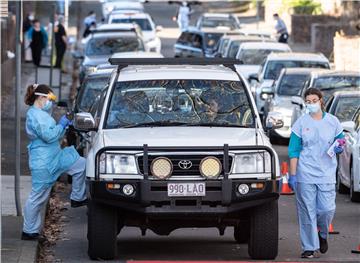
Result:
347,93
298,56
104,72
129,14
137,54
294,71
338,73
152,72
265,45
117,26
216,15
251,31
125,5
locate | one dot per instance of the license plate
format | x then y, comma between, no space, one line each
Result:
186,189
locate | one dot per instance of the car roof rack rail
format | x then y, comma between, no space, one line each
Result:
124,62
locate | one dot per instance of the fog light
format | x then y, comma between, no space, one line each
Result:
210,167
161,167
128,189
243,189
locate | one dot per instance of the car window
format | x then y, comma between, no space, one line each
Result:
190,102
219,22
290,84
274,68
255,56
233,49
143,23
212,40
346,108
185,38
356,119
333,82
89,90
196,41
98,104
110,45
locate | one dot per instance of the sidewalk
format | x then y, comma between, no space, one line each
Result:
13,249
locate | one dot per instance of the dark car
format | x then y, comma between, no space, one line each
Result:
195,43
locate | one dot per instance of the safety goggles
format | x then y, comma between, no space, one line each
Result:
50,96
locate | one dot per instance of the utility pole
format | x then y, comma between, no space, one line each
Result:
18,106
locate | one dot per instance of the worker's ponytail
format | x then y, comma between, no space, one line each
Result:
30,96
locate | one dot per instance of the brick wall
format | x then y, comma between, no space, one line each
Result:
347,52
301,26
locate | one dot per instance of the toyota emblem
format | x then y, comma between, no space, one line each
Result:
185,164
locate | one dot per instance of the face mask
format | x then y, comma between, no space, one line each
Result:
48,106
313,108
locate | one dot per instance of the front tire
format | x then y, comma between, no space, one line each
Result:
102,231
264,232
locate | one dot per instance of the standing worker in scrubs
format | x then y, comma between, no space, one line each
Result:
47,161
312,171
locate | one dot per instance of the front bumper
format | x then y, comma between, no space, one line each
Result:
150,197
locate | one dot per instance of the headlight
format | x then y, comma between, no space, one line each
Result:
161,167
90,69
112,163
247,163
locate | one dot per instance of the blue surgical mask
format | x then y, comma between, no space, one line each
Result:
313,108
48,106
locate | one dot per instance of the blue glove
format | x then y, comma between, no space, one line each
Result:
292,182
338,149
64,121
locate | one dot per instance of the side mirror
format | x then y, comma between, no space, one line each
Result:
254,77
267,92
62,104
159,28
297,100
348,126
274,120
77,54
84,121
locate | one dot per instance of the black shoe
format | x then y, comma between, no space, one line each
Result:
308,254
29,236
78,203
323,244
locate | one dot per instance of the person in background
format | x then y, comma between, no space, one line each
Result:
38,41
60,41
89,22
315,140
47,160
27,25
183,16
281,29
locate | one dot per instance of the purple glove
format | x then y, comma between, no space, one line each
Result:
339,149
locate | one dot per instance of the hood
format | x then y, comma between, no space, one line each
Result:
148,35
247,70
283,101
181,136
267,83
95,60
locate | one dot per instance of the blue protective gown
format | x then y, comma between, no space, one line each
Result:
315,189
47,161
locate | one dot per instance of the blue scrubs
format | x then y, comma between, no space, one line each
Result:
47,161
315,189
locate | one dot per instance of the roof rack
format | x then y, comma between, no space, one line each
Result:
124,62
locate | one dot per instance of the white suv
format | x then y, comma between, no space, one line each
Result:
146,24
179,144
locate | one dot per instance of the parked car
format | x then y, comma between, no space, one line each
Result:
145,22
275,62
343,104
252,54
257,33
195,43
348,172
235,42
223,42
218,20
109,6
328,82
277,98
190,154
107,40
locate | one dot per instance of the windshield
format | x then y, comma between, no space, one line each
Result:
143,23
179,102
255,56
111,45
333,82
233,49
212,39
346,108
219,22
274,68
90,89
290,85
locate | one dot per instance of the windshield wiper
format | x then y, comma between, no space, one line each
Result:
156,123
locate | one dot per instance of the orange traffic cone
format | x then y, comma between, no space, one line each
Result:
332,231
285,188
356,251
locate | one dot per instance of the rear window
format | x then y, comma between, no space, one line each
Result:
346,108
256,56
274,68
219,22
110,45
290,85
143,23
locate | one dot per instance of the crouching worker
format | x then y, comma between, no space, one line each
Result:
47,161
